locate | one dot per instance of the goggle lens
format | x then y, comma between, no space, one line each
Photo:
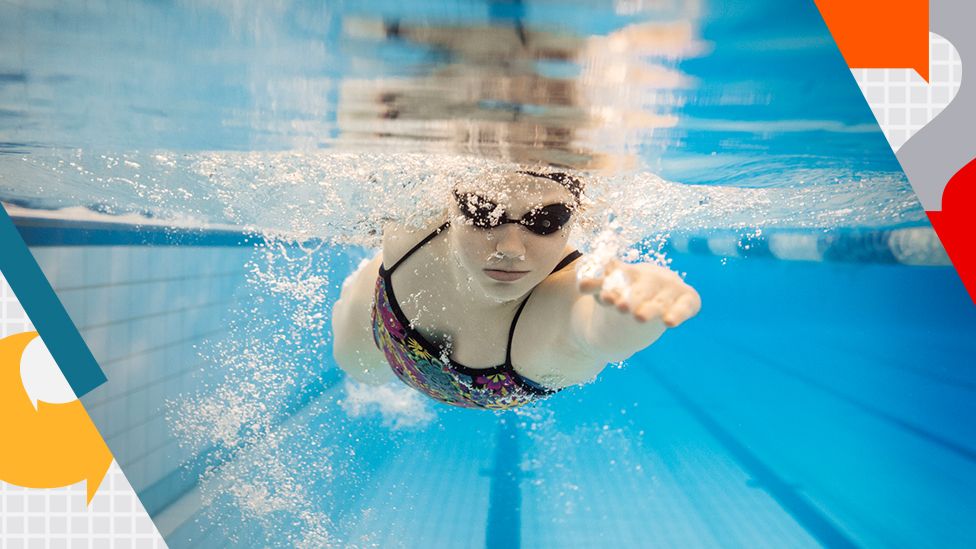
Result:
486,214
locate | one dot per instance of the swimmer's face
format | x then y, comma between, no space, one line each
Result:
508,260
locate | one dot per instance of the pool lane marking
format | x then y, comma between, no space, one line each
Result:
947,444
805,513
897,363
908,246
46,312
61,232
503,527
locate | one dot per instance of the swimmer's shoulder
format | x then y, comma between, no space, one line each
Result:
398,238
545,347
552,301
556,294
545,338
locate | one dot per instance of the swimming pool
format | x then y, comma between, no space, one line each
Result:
820,398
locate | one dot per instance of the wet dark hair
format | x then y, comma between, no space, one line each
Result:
572,184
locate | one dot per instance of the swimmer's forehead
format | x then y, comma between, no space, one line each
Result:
517,189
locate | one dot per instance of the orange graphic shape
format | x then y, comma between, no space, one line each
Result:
880,34
53,446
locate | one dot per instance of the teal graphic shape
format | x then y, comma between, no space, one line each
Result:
46,312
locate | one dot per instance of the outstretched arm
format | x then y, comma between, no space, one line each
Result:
627,307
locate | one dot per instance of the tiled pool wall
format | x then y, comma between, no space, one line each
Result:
150,314
143,311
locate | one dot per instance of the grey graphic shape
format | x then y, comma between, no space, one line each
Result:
946,144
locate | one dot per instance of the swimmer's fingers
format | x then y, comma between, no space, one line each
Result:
590,285
595,287
592,280
646,311
656,305
663,294
629,287
686,306
608,297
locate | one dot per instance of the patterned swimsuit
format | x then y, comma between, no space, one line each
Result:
426,367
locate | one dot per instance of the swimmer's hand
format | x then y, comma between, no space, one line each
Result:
643,290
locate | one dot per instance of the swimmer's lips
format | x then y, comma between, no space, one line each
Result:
505,276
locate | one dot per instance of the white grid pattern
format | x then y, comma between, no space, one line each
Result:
903,102
58,518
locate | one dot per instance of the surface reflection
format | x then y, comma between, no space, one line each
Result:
519,93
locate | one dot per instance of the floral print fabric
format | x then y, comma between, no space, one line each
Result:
417,363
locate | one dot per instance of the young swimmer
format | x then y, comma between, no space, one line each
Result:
490,310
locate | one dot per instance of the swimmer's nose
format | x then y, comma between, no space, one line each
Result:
509,240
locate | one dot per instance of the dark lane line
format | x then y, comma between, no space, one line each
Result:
503,528
921,432
805,514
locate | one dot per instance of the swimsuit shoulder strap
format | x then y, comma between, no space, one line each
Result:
511,330
573,256
416,247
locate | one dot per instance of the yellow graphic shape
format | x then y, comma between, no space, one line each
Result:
52,446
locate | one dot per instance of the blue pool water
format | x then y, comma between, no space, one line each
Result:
821,398
809,404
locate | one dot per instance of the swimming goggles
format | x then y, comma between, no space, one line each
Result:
484,214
